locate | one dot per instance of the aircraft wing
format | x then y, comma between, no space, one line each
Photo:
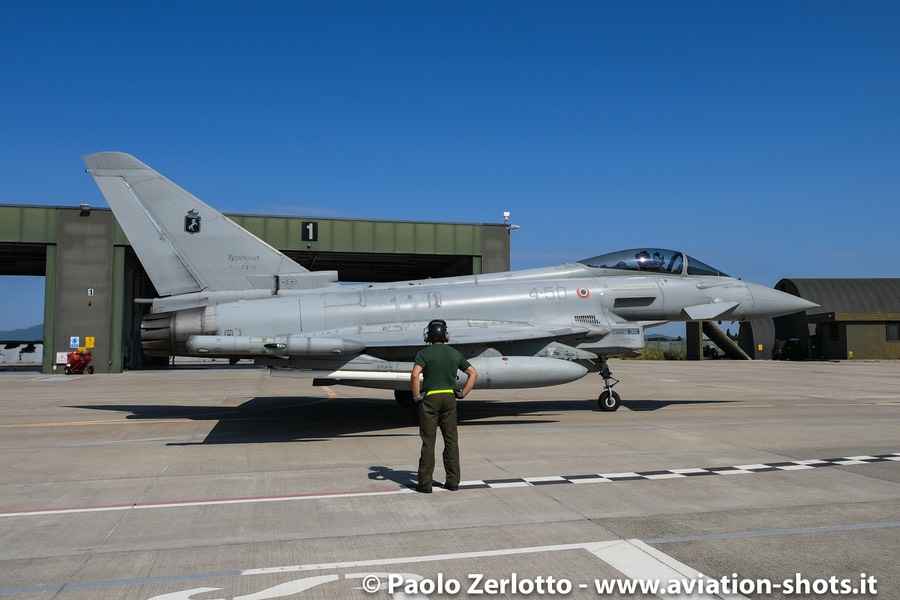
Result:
400,336
475,332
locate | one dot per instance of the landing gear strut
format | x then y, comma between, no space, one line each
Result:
609,400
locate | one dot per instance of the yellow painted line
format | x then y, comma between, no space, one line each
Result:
331,393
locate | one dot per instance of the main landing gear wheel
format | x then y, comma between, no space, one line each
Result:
609,401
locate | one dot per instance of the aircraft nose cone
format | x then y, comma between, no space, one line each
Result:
769,302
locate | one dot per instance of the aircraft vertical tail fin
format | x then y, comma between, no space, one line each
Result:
184,244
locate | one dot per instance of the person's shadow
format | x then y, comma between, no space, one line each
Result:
402,478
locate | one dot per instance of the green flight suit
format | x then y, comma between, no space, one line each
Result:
439,364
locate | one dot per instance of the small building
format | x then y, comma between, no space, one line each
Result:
856,319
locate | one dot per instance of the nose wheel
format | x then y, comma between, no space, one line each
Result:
609,400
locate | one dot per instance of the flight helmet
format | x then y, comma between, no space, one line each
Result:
436,331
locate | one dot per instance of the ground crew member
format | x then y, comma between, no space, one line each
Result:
436,399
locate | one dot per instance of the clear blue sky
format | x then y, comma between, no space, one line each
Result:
761,137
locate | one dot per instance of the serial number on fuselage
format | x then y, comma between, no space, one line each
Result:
548,293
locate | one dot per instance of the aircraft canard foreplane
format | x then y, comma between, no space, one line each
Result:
226,293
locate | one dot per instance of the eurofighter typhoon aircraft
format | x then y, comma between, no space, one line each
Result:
226,293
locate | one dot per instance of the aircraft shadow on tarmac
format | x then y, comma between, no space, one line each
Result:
301,419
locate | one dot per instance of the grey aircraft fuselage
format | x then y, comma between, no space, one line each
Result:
226,293
590,299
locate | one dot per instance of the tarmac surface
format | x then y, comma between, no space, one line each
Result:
220,483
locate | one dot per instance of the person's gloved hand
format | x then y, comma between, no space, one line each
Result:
420,397
458,394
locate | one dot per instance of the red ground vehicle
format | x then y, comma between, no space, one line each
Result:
78,362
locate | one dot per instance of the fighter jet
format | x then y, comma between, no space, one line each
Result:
226,293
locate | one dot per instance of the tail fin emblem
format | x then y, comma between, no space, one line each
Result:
192,222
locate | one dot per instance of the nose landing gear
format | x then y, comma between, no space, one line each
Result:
609,400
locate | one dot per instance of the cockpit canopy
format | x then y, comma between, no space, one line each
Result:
652,260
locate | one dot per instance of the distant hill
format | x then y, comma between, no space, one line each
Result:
31,334
659,336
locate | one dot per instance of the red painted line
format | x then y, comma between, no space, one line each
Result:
192,503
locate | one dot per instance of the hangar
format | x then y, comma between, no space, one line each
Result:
93,277
856,319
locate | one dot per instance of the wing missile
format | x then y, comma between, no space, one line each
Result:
291,345
494,372
510,372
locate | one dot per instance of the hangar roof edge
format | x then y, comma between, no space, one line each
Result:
55,207
847,295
